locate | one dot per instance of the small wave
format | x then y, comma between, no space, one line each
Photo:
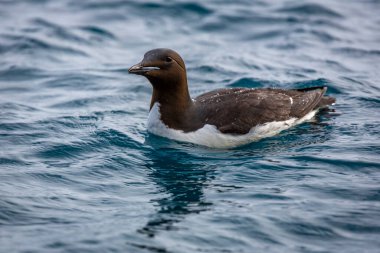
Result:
97,31
308,229
324,36
311,10
30,45
358,52
116,138
166,7
77,81
84,102
17,107
13,126
342,163
12,161
14,214
58,32
331,88
370,101
222,22
73,150
357,221
249,82
267,35
16,73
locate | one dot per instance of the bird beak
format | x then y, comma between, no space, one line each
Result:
139,69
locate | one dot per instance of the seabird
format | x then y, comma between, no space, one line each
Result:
222,117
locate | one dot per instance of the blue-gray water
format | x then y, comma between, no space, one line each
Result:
80,173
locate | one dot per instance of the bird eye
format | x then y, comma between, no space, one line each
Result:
168,59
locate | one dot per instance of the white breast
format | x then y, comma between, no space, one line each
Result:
210,136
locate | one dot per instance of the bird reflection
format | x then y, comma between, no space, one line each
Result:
182,178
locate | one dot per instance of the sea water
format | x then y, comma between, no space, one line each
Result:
80,173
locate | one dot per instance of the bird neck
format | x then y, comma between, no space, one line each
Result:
176,107
175,98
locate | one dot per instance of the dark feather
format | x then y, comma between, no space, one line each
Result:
246,108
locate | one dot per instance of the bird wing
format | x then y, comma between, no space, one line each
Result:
237,110
305,100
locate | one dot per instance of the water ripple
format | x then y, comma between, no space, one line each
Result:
80,173
30,45
310,9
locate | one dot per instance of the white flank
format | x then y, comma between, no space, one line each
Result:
210,136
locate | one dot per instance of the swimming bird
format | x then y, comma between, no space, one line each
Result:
223,117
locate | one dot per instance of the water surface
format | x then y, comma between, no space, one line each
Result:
80,173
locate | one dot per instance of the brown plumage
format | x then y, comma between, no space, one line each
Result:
233,111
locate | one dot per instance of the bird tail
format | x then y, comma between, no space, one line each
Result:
325,100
